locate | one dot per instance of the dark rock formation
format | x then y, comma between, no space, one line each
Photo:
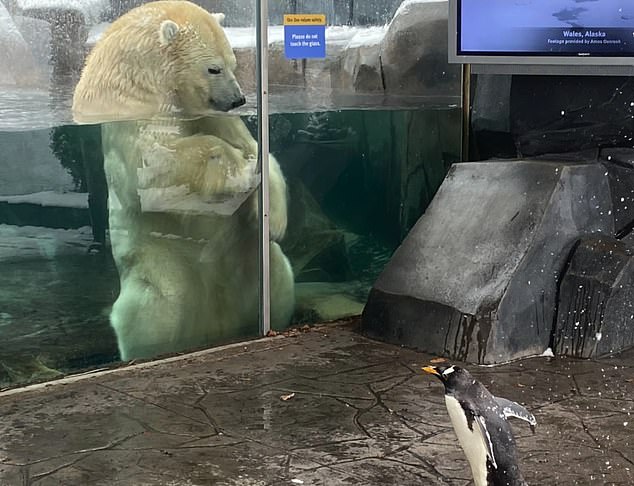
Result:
414,52
595,314
476,278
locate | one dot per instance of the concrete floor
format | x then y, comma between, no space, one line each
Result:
362,414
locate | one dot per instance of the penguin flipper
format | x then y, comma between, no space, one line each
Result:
488,443
512,409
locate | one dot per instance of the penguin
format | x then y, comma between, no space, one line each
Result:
480,421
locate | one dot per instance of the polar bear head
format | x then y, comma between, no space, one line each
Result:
162,57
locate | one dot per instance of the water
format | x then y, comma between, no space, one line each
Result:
357,181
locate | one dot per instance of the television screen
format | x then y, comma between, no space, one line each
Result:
545,28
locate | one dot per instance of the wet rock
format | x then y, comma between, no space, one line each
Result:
595,314
476,277
414,51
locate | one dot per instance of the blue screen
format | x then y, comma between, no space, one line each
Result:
546,27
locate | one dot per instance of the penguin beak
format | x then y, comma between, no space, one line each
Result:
431,370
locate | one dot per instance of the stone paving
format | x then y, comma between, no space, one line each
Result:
323,407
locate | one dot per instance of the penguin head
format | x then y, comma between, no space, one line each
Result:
452,376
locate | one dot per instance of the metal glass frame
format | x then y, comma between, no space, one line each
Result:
262,65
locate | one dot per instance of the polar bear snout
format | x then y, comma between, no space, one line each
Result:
239,102
228,105
226,95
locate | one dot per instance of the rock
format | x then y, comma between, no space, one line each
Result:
414,51
17,64
70,22
595,311
575,111
620,169
359,68
37,35
283,73
373,12
476,277
491,103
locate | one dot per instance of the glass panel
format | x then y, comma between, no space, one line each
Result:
135,232
364,138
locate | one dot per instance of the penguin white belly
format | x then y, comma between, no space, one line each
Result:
472,441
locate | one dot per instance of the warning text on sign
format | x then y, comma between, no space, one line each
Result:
305,36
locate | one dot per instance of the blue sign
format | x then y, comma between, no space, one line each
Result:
304,41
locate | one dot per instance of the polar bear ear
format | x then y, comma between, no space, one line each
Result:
220,17
168,31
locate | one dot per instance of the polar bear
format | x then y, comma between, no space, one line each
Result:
183,206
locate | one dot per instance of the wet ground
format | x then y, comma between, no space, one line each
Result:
323,407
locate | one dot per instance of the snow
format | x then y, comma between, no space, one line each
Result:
407,5
370,36
244,37
37,242
91,9
50,198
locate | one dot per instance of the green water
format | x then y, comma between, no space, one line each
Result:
357,182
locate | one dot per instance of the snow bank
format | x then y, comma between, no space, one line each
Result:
50,198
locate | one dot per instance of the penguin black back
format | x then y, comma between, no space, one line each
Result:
486,437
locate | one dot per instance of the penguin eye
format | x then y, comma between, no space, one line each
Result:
214,70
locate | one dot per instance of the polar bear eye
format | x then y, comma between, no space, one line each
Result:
214,70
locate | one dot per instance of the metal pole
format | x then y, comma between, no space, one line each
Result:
466,111
262,66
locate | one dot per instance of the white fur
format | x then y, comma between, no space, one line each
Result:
472,442
168,31
183,200
189,274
